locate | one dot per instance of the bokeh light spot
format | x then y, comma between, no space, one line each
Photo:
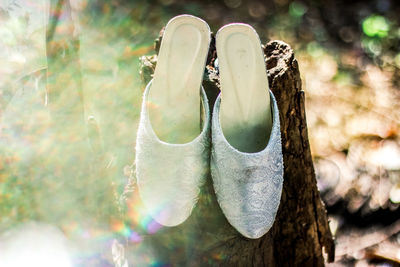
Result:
375,26
372,46
297,9
233,3
314,49
397,60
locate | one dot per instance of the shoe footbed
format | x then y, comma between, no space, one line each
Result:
245,113
174,98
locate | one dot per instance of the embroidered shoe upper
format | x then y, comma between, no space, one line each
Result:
169,176
248,185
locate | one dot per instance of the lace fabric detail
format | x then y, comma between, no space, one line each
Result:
248,185
169,176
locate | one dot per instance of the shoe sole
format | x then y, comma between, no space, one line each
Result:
245,113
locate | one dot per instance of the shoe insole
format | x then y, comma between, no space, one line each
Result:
245,112
174,97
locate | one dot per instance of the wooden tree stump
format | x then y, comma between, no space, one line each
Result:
300,232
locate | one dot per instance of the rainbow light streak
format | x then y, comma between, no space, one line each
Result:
135,237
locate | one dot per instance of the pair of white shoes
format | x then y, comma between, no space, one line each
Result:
173,150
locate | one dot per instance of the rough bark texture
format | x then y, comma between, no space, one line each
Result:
300,232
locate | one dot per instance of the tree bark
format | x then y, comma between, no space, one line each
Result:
300,232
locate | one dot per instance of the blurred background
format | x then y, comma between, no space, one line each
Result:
69,73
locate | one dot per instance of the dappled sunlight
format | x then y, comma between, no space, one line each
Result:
70,104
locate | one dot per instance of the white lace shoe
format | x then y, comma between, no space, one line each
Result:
172,151
247,171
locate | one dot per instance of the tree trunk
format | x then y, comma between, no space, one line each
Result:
300,231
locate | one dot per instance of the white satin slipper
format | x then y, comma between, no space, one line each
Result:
246,157
172,150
